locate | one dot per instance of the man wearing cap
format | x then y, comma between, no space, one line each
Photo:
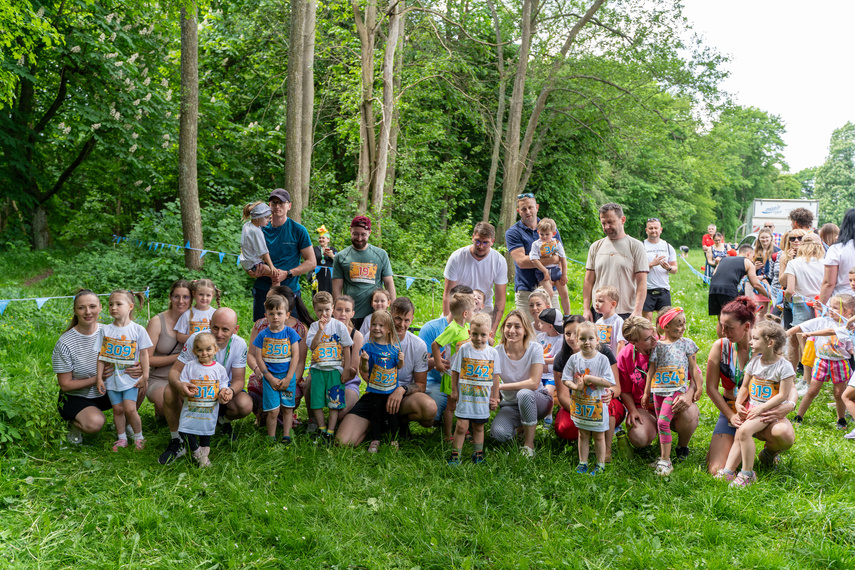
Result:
359,269
618,260
290,250
662,261
481,267
519,238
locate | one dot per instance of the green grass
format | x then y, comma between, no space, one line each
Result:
310,506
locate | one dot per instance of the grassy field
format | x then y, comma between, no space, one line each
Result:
311,506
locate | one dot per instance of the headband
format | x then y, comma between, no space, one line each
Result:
669,316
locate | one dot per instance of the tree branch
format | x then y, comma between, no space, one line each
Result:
57,102
85,151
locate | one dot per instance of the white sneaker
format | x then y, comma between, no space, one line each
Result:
850,435
75,436
527,451
801,387
664,467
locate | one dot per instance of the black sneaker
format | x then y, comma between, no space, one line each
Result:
841,424
682,453
797,421
478,457
174,450
227,430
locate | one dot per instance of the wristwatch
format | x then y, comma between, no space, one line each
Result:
290,274
790,402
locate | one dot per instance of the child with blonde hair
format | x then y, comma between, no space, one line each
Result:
380,360
255,256
672,363
610,324
198,318
589,375
380,300
448,342
554,276
768,380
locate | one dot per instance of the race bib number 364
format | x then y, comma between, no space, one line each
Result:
668,379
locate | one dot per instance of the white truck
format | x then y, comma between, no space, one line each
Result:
777,212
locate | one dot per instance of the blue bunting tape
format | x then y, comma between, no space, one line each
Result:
41,301
158,245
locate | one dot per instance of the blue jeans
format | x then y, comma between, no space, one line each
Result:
437,396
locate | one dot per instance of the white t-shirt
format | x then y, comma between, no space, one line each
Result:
843,256
551,346
415,358
194,321
829,347
610,331
199,412
658,277
232,356
252,245
588,411
517,370
328,354
545,249
766,378
475,382
366,326
808,275
121,347
478,274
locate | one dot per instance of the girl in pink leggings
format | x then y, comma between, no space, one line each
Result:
671,364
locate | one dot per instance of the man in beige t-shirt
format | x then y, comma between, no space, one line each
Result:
618,260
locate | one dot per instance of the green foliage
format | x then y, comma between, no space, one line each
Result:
835,180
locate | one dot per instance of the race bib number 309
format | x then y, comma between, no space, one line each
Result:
118,351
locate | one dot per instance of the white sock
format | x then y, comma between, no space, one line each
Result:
174,435
138,436
223,420
122,436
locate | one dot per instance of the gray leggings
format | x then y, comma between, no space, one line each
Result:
530,406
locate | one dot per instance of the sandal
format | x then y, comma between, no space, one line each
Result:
374,446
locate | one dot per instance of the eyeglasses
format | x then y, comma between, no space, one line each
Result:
526,195
480,243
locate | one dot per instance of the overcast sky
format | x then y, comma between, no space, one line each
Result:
791,59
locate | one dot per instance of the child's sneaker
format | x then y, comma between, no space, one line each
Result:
597,470
725,475
548,421
139,444
773,461
75,436
582,468
478,457
850,435
286,439
453,461
682,453
271,439
174,450
201,456
743,480
527,451
664,467
841,424
120,443
797,421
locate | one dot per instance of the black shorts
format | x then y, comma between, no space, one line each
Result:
70,406
717,302
362,409
656,299
476,421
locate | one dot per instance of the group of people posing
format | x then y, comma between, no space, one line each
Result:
611,367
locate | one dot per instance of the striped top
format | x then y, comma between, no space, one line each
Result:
74,352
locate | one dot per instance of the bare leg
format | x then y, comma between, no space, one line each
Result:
584,445
319,417
90,420
289,416
838,399
848,398
272,416
813,390
600,446
352,430
460,434
119,419
720,446
528,434
447,421
132,416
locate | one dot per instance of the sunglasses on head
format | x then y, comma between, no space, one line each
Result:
653,220
526,195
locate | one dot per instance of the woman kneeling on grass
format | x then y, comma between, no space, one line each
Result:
726,365
76,365
524,399
633,363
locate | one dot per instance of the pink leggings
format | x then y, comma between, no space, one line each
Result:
664,414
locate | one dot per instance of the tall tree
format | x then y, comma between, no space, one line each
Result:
294,121
835,179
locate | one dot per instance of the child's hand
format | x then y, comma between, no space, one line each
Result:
752,413
562,280
322,323
226,395
102,388
645,399
454,395
494,404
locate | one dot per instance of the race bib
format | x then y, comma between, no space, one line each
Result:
605,333
668,379
200,326
276,350
327,354
548,248
118,351
205,397
476,371
363,272
761,390
586,409
383,379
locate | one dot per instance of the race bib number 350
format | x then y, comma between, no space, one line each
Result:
668,379
276,350
118,351
363,272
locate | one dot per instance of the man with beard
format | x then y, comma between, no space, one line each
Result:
361,268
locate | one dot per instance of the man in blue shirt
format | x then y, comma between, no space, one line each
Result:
289,243
519,238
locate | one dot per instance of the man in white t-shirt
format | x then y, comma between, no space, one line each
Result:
409,398
479,267
662,261
232,355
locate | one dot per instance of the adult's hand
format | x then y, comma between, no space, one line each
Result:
393,403
634,418
682,402
607,397
134,371
776,414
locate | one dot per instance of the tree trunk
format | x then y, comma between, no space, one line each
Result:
500,115
41,232
366,28
308,131
396,127
294,112
188,191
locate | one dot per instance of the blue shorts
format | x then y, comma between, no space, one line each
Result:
274,399
117,398
722,427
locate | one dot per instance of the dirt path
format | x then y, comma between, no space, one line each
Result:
33,280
